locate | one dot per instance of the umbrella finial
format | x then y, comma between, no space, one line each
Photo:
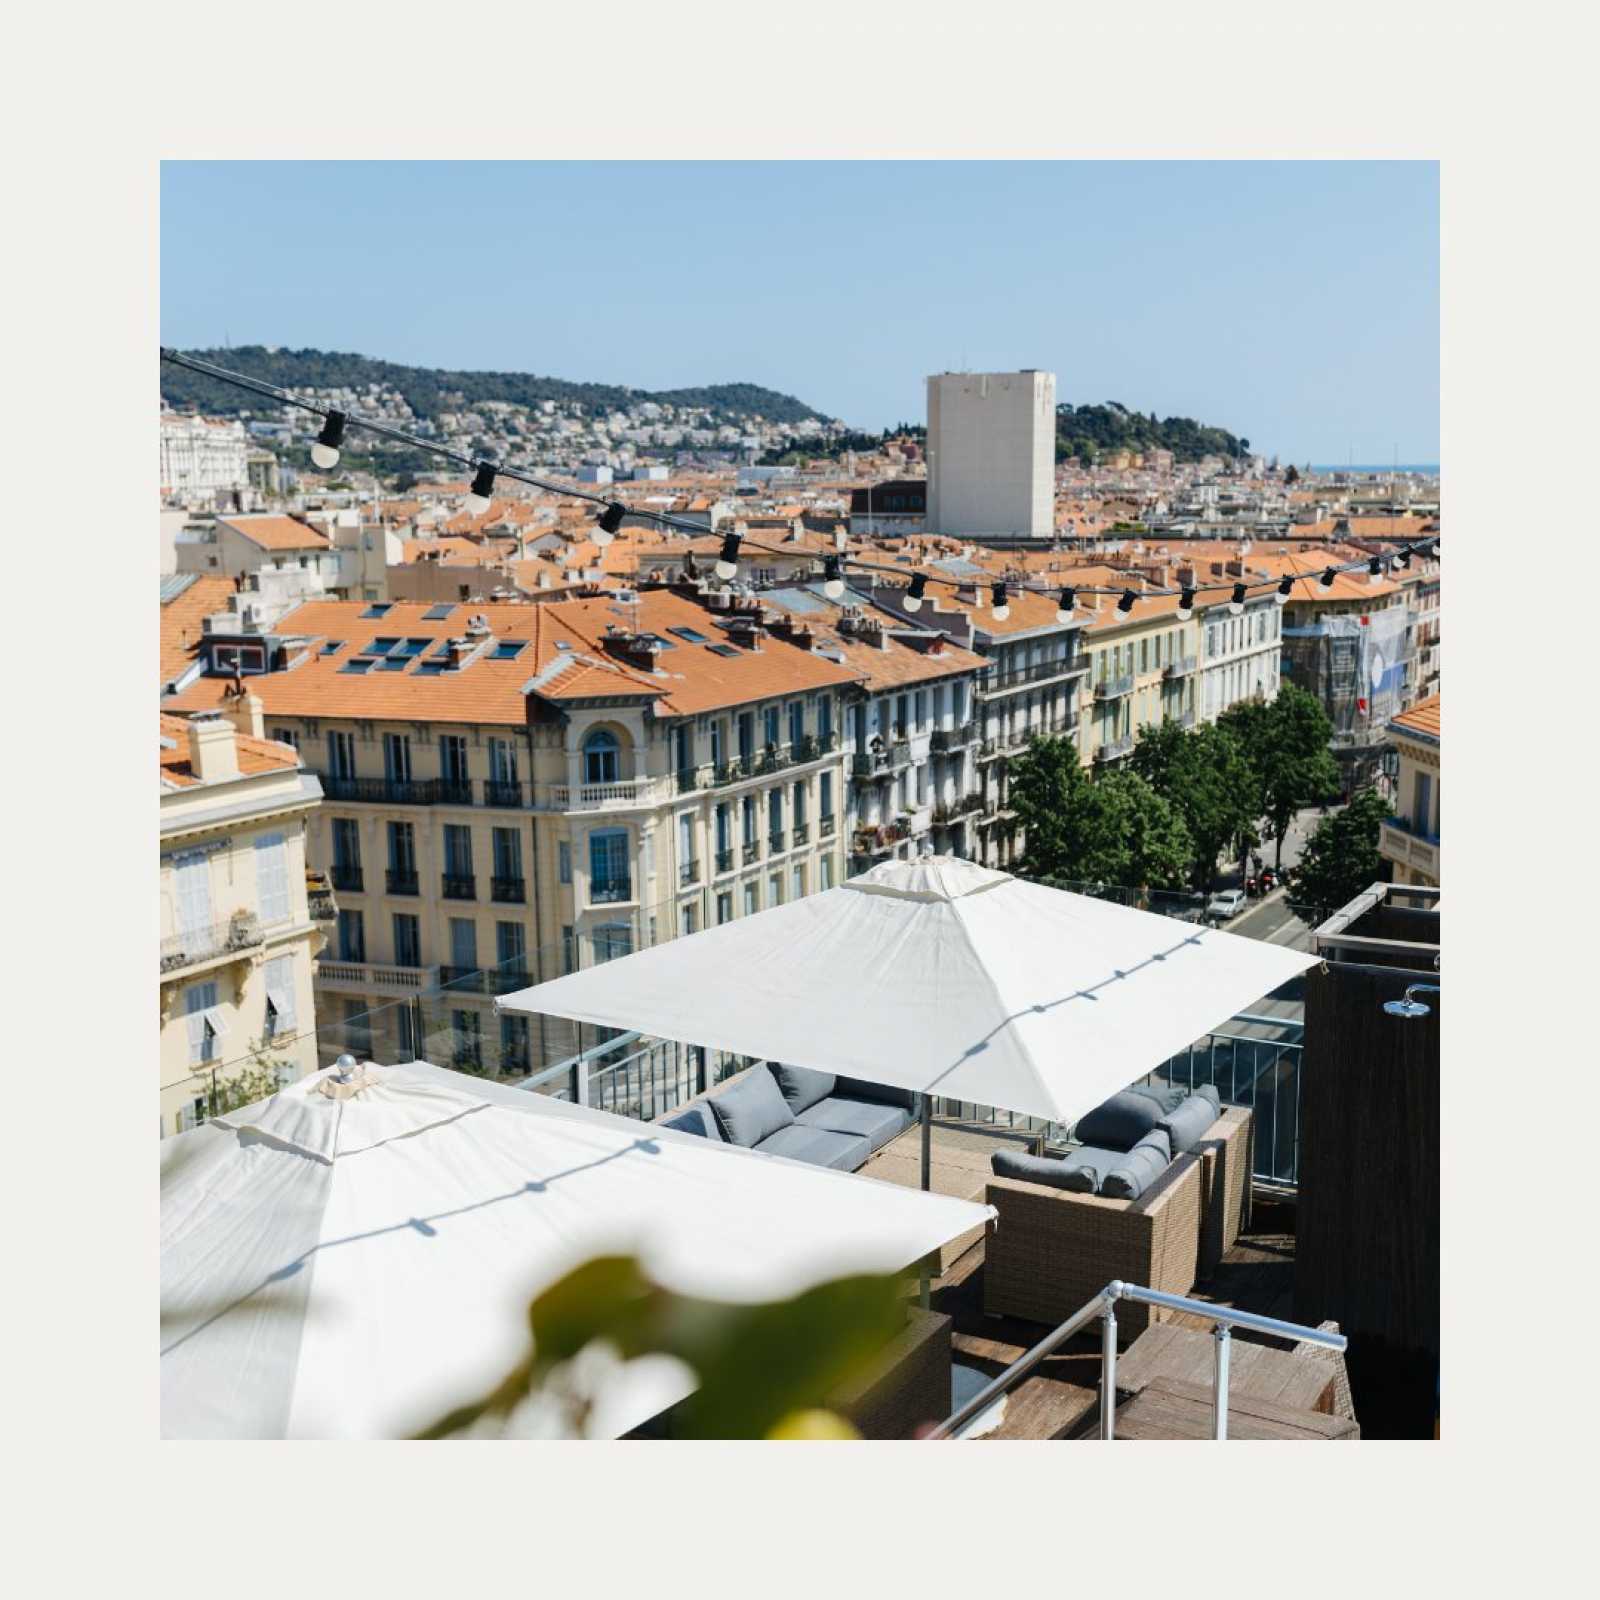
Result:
345,1068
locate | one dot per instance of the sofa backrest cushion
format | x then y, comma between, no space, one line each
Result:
751,1108
1186,1126
697,1118
878,1093
802,1087
1050,1170
1139,1168
1208,1091
1120,1122
1167,1096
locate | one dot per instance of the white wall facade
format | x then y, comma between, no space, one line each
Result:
991,452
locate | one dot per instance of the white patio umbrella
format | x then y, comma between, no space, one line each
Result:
355,1259
939,976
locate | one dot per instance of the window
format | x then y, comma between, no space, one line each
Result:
797,721
379,610
612,939
402,849
508,649
192,877
825,869
457,850
287,736
407,940
407,1033
331,647
825,794
502,761
204,1021
397,757
723,649
564,861
689,917
724,908
920,711
568,948
688,635
752,898
513,1043
380,646
437,613
341,755
467,1028
506,844
279,979
798,882
602,758
453,758
408,648
464,944
747,735
352,936
724,829
799,804
775,889
769,725
511,946
358,1029
272,877
356,668
716,744
825,718
346,849
775,814
1422,804
686,859
608,865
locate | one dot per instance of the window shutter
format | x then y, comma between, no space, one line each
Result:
194,893
279,975
272,877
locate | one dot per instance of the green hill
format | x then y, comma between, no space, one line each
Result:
426,388
1089,431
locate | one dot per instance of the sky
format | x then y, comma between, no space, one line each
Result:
1293,303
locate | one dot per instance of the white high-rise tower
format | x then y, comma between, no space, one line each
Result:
992,452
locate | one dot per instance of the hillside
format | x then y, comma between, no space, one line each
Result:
1088,431
429,390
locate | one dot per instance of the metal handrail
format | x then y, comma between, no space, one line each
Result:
1224,1320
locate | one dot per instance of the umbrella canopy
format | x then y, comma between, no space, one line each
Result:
941,976
348,1263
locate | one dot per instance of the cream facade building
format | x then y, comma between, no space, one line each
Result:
239,931
1410,838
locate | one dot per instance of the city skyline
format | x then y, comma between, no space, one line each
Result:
1292,303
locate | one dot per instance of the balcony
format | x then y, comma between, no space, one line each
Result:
608,892
392,976
320,903
874,840
998,679
688,873
759,764
401,880
394,792
752,852
623,795
500,793
1409,846
945,815
881,763
947,741
1114,749
802,834
508,891
458,886
1182,667
240,933
346,876
775,843
484,980
1114,688
826,827
724,861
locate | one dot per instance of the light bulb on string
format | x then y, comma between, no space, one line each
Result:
1236,604
1375,570
919,587
1064,606
833,578
1186,603
605,530
1284,590
1002,606
1125,604
482,491
728,559
325,452
1328,577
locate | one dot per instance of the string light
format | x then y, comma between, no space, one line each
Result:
919,587
833,578
1065,604
728,561
325,452
1236,604
482,491
1002,606
1284,590
1125,604
605,530
1375,570
1328,577
1186,603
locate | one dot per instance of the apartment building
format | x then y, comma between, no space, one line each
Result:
1410,838
238,929
1240,653
1029,686
992,453
202,457
515,790
230,547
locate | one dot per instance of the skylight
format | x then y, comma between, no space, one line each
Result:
380,647
722,649
508,649
437,613
357,665
331,647
411,647
392,664
689,635
430,669
379,609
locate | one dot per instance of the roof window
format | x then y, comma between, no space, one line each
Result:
380,608
437,613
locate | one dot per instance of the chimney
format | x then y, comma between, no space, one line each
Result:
213,747
245,712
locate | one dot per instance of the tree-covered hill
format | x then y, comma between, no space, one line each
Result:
1091,431
429,390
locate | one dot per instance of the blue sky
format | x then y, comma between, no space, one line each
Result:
1296,303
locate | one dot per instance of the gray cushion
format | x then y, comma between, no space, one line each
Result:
1186,1126
695,1119
1050,1170
879,1093
751,1107
1209,1092
1139,1168
1120,1122
1165,1095
875,1123
822,1149
800,1086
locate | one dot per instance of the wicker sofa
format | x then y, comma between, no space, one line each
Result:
1227,1158
1049,1250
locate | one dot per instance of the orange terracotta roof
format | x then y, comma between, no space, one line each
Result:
181,618
1422,718
276,533
255,755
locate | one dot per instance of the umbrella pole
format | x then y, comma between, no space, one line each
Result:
927,1179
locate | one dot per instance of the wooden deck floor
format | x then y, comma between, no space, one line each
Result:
1062,1395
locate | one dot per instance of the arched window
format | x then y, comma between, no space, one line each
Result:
602,759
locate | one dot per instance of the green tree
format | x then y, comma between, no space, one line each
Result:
1157,749
1341,858
1285,742
1156,851
1212,785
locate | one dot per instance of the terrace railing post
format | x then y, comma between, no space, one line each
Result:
927,1178
1108,1364
1219,1383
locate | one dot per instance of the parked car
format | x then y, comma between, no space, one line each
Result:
1221,907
